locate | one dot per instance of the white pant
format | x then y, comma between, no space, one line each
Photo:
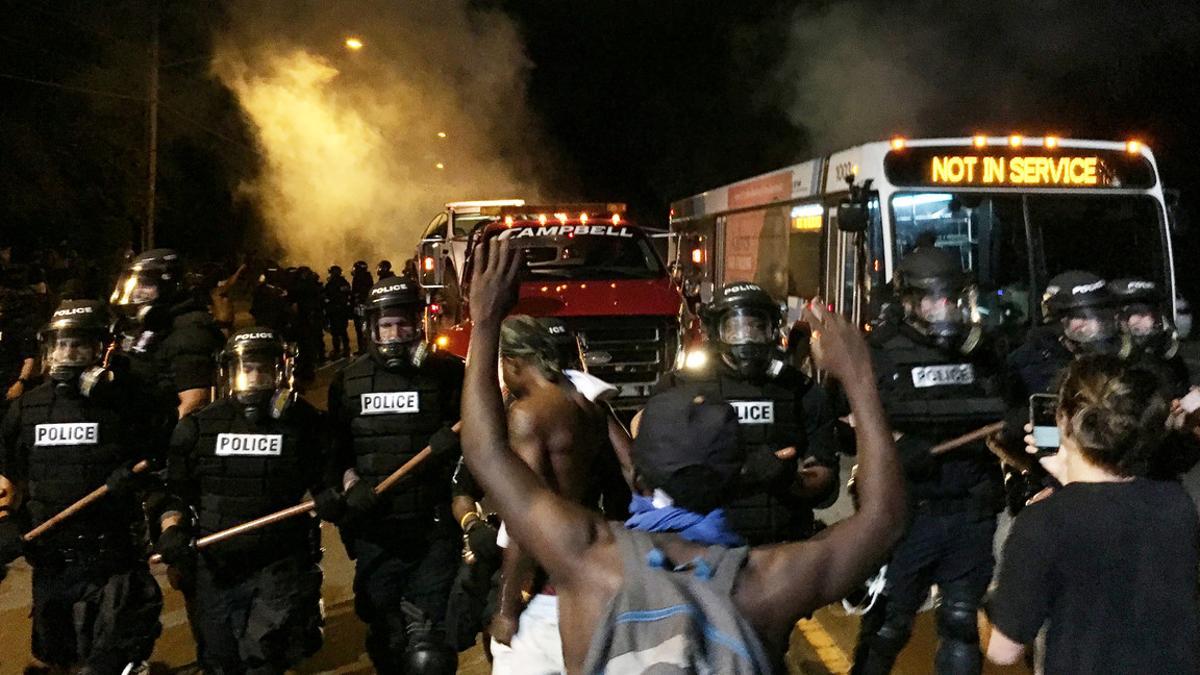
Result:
536,648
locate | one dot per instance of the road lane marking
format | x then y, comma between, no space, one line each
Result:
827,649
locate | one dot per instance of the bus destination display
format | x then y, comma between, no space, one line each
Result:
1020,167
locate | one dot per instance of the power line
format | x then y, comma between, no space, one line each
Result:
78,90
205,128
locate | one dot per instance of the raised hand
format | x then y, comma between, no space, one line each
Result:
495,281
837,346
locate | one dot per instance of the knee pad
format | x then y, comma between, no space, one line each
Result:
958,620
429,658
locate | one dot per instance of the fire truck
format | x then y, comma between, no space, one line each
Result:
585,265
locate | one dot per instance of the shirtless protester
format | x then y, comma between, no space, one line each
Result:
560,434
630,600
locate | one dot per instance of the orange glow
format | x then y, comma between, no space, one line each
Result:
428,264
1133,147
1052,142
508,221
897,143
698,255
562,218
1015,140
616,219
442,341
542,218
583,219
980,141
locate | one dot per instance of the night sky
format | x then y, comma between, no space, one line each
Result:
643,101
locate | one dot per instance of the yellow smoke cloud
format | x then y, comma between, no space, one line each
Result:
361,148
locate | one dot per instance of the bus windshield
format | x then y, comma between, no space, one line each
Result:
1111,235
588,256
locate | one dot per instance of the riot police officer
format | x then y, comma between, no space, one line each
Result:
95,604
937,381
360,284
384,270
168,337
254,599
1148,337
778,407
385,407
338,298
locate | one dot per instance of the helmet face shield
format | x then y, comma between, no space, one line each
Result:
252,375
746,326
1089,325
393,331
135,287
70,351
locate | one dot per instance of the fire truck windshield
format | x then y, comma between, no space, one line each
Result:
618,253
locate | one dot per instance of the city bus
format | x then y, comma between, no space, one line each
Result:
1016,210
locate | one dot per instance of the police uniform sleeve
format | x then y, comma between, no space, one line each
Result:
12,455
463,484
1019,605
339,441
194,345
182,488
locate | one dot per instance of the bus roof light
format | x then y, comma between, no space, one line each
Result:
898,143
1051,142
1133,147
980,141
1015,140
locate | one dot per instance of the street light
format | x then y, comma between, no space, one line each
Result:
354,44
441,134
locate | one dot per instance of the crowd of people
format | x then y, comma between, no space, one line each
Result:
475,498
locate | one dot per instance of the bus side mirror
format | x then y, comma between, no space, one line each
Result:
431,264
1176,217
852,216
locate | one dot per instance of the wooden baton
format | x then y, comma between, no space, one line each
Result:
958,442
78,506
306,506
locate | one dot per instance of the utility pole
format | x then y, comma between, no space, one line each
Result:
152,159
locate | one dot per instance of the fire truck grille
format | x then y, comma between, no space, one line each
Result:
630,353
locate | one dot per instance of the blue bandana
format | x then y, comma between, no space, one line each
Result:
708,529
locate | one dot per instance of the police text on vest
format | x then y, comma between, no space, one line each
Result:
74,433
389,403
754,412
253,445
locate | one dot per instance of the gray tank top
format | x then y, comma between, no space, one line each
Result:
670,618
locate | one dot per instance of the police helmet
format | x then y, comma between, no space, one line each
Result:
1140,319
384,269
75,338
743,321
335,271
936,297
1085,310
256,365
360,265
393,313
154,278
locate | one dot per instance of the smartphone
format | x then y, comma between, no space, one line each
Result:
1191,402
1043,410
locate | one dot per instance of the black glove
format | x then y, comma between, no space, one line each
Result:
360,500
330,505
123,482
444,442
763,470
11,544
481,537
175,546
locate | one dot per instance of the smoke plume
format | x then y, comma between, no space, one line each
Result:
361,147
864,70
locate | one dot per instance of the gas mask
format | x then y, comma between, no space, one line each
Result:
70,354
1091,330
1145,330
396,338
945,316
747,338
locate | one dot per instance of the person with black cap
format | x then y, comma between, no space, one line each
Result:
168,338
95,603
705,608
939,379
253,600
360,284
779,408
338,298
385,407
561,435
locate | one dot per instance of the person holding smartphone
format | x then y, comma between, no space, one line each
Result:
1109,561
